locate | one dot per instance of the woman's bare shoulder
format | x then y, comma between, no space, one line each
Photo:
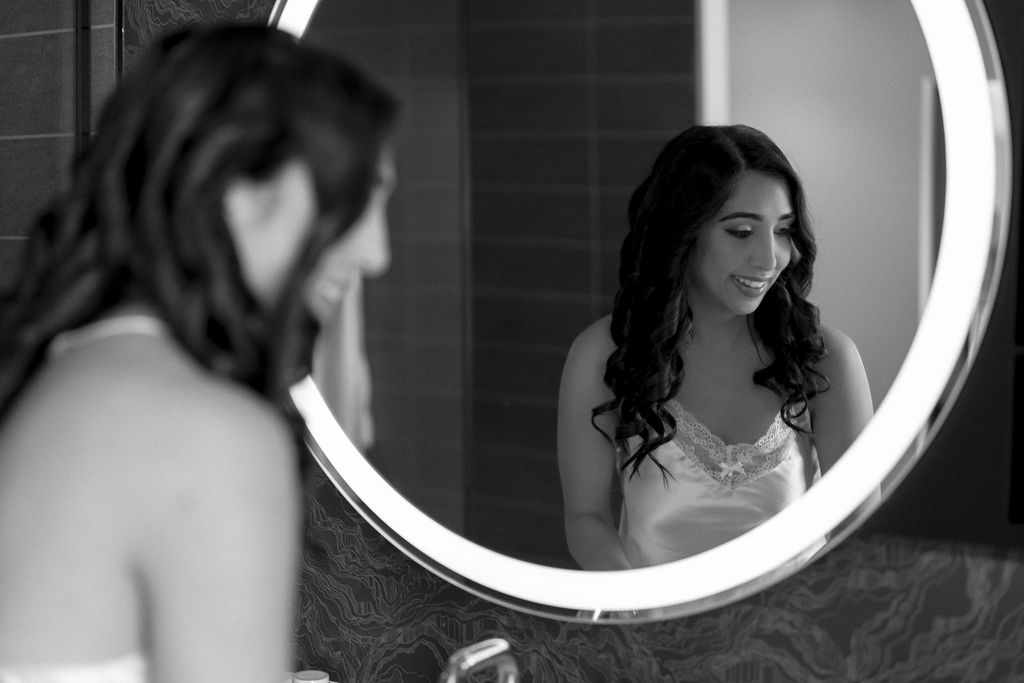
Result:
836,339
840,413
595,341
842,354
220,448
583,374
213,428
208,461
164,457
143,410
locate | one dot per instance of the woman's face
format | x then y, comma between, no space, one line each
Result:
363,251
741,251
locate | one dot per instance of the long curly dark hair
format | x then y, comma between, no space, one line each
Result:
143,221
692,178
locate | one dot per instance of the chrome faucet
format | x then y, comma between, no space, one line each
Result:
494,652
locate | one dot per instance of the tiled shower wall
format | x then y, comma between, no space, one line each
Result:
415,313
568,103
39,42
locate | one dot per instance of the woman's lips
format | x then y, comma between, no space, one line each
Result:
753,286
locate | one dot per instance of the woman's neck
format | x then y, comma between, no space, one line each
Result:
720,335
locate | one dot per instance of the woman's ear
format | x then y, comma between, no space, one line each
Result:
268,220
266,204
795,255
239,198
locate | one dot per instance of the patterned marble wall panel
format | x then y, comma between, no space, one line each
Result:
145,20
879,609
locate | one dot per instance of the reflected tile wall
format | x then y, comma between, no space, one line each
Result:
568,103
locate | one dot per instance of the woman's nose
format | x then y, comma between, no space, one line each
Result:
371,247
764,253
377,257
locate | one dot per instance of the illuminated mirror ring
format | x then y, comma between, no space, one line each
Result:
976,128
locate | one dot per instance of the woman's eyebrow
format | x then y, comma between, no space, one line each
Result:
752,216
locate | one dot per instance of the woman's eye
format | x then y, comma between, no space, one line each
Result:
740,232
784,230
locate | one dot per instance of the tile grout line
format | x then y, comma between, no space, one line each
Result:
51,32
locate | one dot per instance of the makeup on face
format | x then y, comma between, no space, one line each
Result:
740,253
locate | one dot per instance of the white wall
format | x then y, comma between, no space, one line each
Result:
837,84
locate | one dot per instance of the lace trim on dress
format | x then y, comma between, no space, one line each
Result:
731,465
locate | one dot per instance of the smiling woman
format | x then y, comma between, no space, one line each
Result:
973,233
711,388
159,318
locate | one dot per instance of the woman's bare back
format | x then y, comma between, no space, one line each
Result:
117,466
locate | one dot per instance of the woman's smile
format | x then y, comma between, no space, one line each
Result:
752,286
741,251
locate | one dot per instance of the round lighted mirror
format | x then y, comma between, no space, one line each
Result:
974,125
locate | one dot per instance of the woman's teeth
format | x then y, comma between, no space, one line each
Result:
756,286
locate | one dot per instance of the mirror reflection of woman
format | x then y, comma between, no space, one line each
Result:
712,393
150,506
